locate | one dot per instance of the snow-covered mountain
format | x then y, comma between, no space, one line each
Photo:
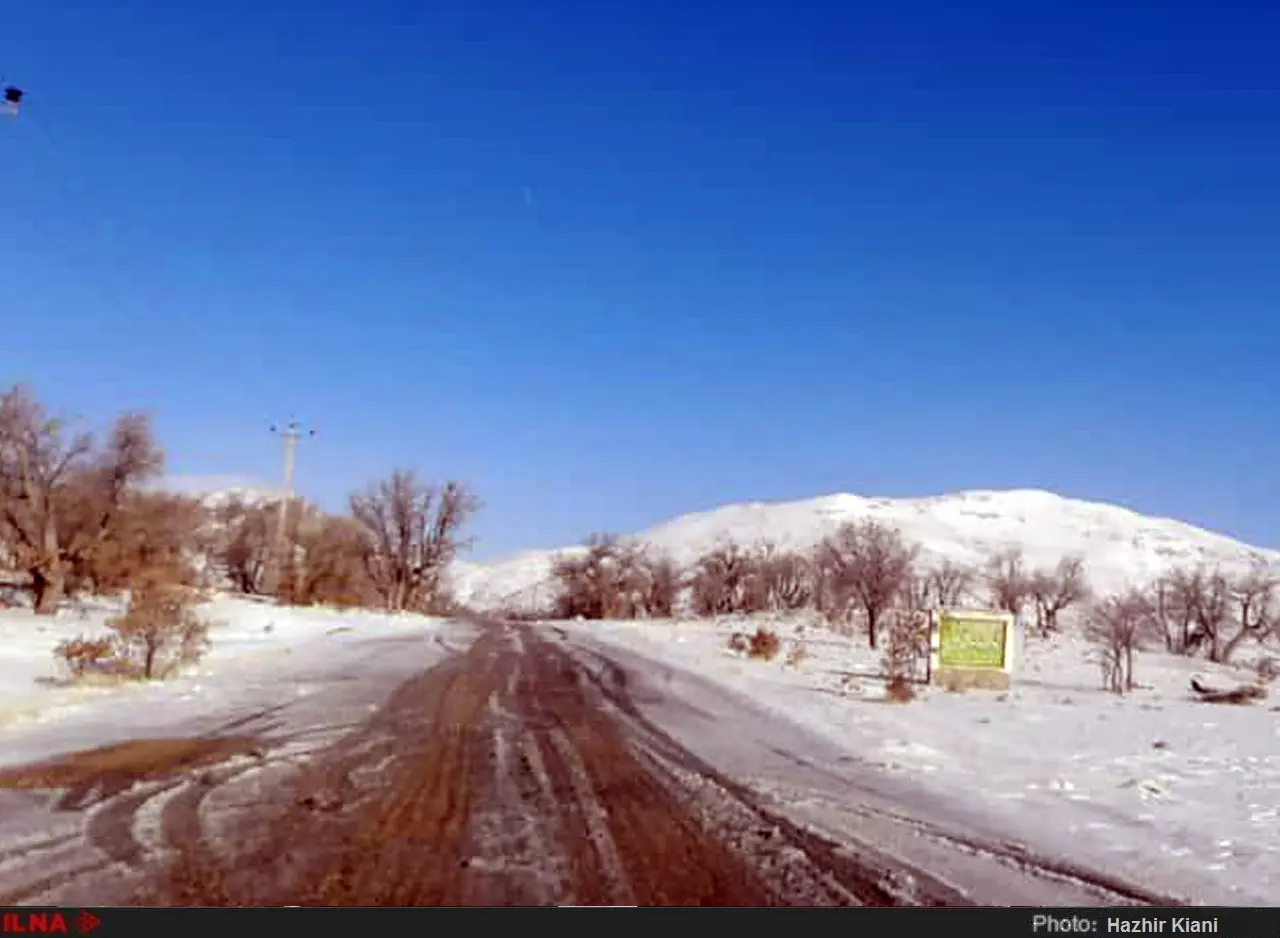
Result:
215,491
1120,546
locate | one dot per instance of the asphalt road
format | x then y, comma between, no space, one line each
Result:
528,768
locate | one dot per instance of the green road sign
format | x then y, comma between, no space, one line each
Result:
971,641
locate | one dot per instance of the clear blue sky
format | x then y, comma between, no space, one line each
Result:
612,262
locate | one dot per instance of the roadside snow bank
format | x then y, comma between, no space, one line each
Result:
252,643
1155,787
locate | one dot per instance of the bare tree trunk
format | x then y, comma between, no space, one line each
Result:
48,588
873,622
1229,649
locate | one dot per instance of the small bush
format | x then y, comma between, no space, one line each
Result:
739,642
796,655
899,690
907,633
764,644
83,656
159,633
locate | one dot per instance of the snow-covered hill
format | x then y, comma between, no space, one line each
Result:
1121,547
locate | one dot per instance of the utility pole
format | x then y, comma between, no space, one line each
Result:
290,434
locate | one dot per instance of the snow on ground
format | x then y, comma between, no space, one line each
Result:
256,647
1165,791
1122,547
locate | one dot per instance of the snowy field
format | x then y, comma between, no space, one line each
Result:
256,648
1178,795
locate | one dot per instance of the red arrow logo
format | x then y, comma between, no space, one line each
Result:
87,922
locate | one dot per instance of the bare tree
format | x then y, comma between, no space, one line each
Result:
661,585
326,561
244,543
1175,597
787,578
1119,626
597,582
870,565
413,532
949,584
1052,591
1008,581
728,580
1212,613
1253,595
153,539
60,496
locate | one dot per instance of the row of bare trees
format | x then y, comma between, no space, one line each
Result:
865,570
79,514
862,570
1189,611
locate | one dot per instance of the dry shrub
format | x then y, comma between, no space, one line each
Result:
764,644
796,655
902,650
899,690
84,656
160,631
739,642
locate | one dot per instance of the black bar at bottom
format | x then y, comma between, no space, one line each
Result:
362,922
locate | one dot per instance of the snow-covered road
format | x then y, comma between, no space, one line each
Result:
1008,799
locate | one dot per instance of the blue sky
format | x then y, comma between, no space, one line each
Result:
612,262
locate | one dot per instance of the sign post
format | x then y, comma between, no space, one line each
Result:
971,649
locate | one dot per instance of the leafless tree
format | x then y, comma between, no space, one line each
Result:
1052,591
728,580
327,562
949,584
1253,595
869,565
1212,613
1008,581
60,495
413,532
1175,598
244,542
788,579
154,538
917,593
1119,625
588,585
660,585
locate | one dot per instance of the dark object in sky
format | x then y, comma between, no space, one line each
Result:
13,99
